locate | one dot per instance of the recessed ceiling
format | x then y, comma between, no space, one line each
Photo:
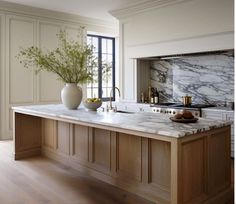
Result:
98,9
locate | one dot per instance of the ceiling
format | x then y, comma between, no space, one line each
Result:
90,8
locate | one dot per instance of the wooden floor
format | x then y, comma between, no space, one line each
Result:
41,181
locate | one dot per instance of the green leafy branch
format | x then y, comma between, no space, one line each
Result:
72,61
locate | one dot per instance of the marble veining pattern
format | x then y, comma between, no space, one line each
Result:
144,122
208,78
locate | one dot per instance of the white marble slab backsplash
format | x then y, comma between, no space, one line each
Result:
208,78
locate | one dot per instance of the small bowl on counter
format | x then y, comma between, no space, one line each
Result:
92,103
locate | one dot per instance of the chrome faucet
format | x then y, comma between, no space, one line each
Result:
113,88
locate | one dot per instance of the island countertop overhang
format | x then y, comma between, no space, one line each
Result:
148,123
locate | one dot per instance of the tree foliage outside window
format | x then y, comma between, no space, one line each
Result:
104,73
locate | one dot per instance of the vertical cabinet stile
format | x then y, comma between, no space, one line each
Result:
90,139
72,135
113,153
80,144
145,160
63,138
48,135
175,172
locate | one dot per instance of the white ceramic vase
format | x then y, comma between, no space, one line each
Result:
71,95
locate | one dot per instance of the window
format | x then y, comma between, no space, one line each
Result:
104,74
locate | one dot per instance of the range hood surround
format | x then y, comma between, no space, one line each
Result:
181,27
198,44
208,77
177,56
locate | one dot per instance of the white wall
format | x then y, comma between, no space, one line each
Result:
176,27
190,26
22,26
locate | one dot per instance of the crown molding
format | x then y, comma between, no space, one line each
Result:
142,7
56,15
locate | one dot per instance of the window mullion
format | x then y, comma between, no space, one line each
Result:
100,83
113,68
99,67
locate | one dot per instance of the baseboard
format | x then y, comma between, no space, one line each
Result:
27,153
225,197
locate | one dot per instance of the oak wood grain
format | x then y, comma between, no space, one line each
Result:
129,156
80,143
49,133
63,137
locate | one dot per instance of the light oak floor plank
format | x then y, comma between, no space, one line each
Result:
39,180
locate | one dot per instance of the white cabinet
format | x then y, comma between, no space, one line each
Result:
230,117
221,115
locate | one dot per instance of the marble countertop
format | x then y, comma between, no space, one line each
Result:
144,122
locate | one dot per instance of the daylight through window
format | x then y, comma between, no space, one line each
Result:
104,74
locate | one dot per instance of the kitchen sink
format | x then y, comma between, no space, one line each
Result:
120,111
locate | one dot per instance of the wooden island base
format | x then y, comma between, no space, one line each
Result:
166,170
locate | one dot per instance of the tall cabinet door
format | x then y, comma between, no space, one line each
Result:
128,72
20,32
49,88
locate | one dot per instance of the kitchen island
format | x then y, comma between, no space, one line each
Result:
143,153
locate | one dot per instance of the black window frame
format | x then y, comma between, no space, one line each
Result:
100,37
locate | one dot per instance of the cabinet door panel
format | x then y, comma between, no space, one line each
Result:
49,88
49,133
193,170
222,115
21,80
63,137
129,82
219,162
101,149
160,164
27,136
129,156
80,149
217,115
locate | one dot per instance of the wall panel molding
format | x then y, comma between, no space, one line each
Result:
25,15
19,9
20,33
3,124
19,83
48,87
125,13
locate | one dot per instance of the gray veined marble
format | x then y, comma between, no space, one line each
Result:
141,122
208,78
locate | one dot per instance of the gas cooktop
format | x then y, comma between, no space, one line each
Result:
174,108
178,105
